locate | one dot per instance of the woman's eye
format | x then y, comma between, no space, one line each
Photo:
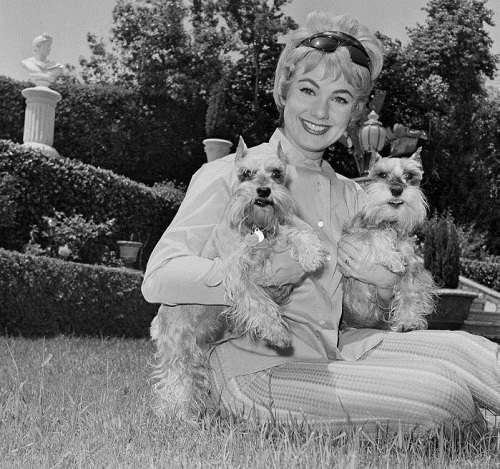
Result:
340,99
307,90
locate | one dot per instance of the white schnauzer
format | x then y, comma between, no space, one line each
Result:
395,207
256,225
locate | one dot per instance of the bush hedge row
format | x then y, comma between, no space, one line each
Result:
145,138
41,296
33,185
484,272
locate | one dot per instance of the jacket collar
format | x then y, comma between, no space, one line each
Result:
296,157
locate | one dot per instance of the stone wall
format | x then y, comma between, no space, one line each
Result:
484,316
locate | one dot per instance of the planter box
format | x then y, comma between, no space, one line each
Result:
129,251
452,308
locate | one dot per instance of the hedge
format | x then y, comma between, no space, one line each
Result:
41,296
483,272
145,138
33,185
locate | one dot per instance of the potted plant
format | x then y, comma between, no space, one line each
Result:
442,259
217,127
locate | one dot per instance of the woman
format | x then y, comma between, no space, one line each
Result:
363,377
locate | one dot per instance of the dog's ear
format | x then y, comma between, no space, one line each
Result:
281,153
375,158
416,156
241,151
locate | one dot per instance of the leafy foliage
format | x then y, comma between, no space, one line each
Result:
49,185
166,56
232,40
153,50
74,238
436,83
442,251
12,104
41,296
485,272
119,129
219,117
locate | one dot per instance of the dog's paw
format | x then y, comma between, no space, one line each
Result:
405,326
277,336
393,260
313,262
309,251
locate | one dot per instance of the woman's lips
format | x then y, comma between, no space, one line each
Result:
314,129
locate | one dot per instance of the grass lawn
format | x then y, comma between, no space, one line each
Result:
72,402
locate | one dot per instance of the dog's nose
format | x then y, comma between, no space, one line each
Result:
396,191
263,191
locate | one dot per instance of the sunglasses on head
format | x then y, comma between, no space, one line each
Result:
330,41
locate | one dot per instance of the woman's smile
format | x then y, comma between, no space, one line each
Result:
315,129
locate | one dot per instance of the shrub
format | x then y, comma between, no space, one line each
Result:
41,296
217,121
486,273
170,189
442,250
147,139
73,238
12,105
472,242
45,185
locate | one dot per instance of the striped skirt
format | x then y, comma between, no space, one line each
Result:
413,380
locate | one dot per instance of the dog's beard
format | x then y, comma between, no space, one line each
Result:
247,211
404,213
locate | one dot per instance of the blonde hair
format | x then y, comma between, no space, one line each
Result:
336,63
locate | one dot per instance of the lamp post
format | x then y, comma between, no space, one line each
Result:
368,135
372,137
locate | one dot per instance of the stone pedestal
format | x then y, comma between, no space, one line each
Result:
40,117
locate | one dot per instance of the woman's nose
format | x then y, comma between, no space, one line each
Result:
320,109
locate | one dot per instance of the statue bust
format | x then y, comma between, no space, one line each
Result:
41,70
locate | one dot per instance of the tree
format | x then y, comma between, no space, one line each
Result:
178,49
162,47
454,45
257,25
436,83
103,66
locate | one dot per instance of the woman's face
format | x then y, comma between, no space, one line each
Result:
317,111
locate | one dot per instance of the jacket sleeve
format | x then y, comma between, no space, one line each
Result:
182,267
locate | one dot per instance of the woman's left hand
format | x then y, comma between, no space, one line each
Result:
350,260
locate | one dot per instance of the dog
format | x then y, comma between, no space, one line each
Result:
395,207
257,223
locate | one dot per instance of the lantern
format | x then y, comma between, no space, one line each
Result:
372,135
